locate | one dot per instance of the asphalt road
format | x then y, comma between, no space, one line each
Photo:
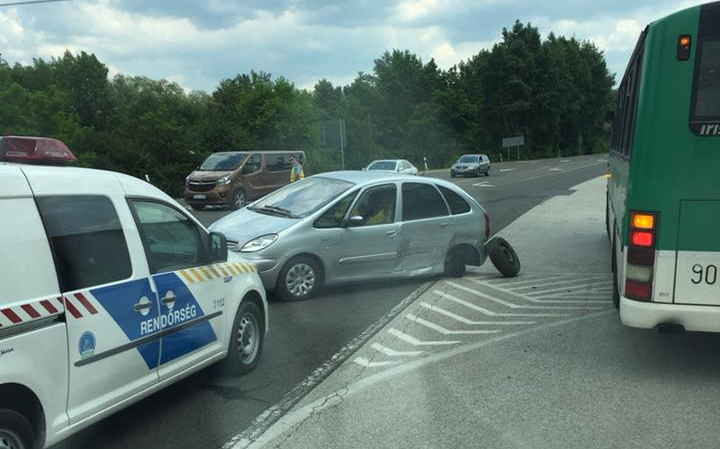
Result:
210,407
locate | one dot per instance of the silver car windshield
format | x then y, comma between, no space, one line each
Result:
468,159
382,165
302,198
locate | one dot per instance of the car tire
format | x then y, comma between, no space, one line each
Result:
455,263
246,339
487,172
15,431
477,172
503,256
299,279
197,206
452,175
239,199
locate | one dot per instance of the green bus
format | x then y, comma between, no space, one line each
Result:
663,195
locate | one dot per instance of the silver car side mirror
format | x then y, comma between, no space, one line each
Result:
355,220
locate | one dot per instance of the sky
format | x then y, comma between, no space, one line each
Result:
198,43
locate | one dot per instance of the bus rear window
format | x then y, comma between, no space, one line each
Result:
707,82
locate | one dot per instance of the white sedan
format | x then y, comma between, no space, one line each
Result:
394,166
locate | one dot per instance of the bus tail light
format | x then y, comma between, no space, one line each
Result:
641,256
683,48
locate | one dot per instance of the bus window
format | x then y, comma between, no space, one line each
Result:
707,82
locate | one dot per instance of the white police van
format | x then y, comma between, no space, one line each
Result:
109,291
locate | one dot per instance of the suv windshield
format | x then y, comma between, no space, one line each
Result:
468,159
382,165
302,198
223,162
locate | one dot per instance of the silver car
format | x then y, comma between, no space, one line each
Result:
394,166
471,164
357,225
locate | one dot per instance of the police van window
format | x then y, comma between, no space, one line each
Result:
332,218
457,204
172,241
421,201
707,82
87,240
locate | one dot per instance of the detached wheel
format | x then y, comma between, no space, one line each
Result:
197,206
247,339
298,279
503,256
455,263
15,431
239,199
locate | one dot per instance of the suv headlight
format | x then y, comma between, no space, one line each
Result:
259,243
224,180
187,180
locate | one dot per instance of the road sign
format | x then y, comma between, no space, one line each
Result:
332,134
513,141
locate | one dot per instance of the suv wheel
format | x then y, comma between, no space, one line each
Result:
239,199
15,431
197,206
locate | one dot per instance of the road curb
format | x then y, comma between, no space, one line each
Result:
274,413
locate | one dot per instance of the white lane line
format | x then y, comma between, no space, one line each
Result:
553,299
392,352
444,331
415,342
506,169
483,184
462,319
362,361
572,290
298,415
557,169
564,160
513,305
490,312
550,284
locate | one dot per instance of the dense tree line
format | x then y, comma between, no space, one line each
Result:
551,91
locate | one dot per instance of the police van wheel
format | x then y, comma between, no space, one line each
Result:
15,431
246,342
503,256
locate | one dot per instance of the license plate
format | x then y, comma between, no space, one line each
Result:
199,197
698,278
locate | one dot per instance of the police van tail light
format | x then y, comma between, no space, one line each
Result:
34,150
641,255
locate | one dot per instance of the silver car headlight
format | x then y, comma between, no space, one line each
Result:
259,243
224,180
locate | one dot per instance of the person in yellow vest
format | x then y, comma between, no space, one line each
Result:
296,172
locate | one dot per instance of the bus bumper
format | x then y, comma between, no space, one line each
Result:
648,315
